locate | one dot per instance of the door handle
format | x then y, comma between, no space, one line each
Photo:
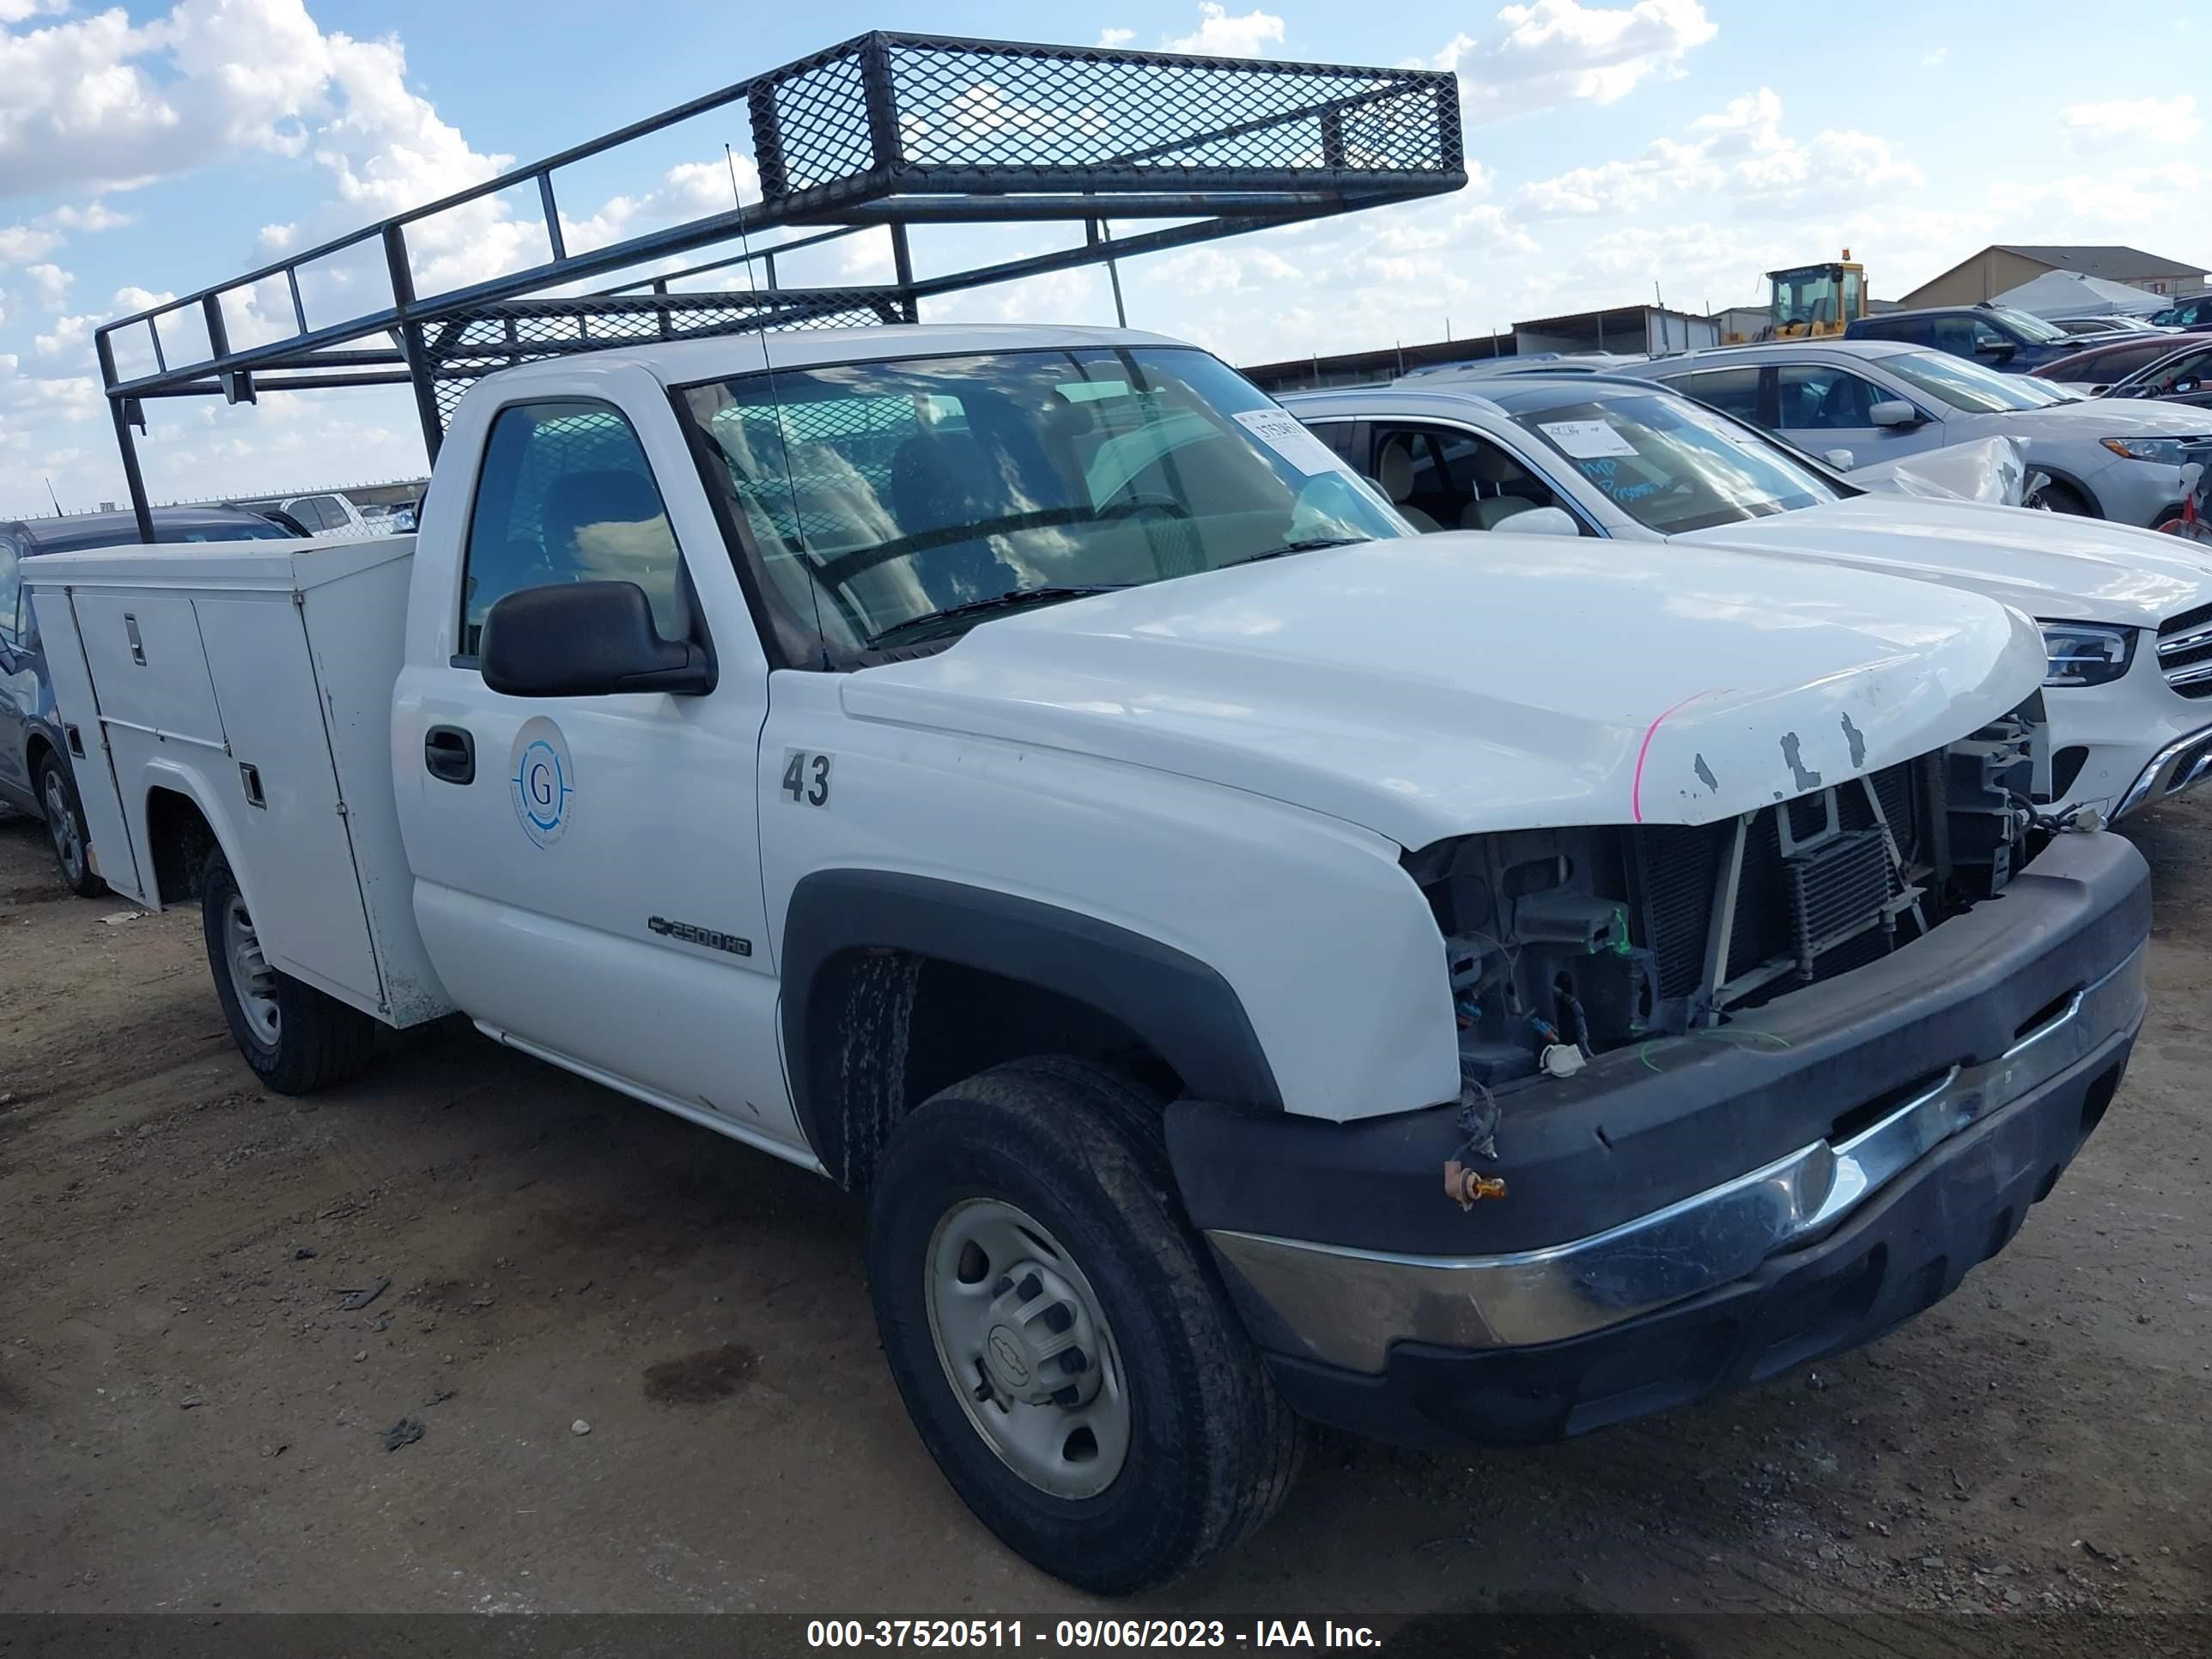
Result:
450,753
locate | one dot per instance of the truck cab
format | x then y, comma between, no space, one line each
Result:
1257,963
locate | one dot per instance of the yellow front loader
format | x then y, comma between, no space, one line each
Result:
1812,301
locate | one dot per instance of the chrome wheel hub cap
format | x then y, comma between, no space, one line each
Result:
251,978
1026,1348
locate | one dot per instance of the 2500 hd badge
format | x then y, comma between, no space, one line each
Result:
691,934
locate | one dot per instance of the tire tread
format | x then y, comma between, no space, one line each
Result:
1248,1444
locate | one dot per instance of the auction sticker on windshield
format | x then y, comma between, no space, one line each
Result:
1279,430
1587,441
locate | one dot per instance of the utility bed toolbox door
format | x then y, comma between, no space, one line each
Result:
152,667
295,857
113,853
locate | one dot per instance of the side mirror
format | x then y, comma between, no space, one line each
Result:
1542,521
586,639
2000,352
1893,412
2182,388
1842,459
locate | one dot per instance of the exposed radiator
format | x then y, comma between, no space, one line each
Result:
1813,907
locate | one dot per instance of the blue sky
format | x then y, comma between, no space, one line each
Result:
150,148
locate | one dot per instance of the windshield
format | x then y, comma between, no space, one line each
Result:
1965,385
878,496
1670,465
2027,325
1806,296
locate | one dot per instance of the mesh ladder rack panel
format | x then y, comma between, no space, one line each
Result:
469,345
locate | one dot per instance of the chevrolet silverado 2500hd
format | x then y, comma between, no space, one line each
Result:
1258,963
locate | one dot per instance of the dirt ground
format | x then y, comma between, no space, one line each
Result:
193,1418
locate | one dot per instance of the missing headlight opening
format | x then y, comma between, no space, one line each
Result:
1564,945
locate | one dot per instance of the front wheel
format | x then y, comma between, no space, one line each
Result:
65,827
2063,498
297,1039
1061,1338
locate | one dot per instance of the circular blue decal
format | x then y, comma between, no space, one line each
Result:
543,782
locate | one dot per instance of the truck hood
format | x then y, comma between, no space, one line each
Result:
2055,567
1443,684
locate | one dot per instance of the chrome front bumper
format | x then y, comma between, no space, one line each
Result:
2181,765
1350,1305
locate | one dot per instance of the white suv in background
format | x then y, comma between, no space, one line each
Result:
1883,401
333,514
2126,614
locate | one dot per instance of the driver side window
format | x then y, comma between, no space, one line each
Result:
1822,399
566,496
1443,478
2191,367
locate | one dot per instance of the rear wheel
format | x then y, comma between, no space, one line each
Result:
297,1039
1059,1334
65,827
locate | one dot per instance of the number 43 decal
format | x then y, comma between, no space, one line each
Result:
807,776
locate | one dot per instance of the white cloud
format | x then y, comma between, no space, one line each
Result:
20,244
92,216
1220,35
691,189
2129,124
69,334
51,281
1558,52
1934,60
98,100
1741,151
128,301
1112,38
21,11
2110,204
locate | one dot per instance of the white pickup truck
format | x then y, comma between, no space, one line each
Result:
1260,964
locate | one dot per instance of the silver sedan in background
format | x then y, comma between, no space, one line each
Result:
1882,401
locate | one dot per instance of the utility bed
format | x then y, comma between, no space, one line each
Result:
253,679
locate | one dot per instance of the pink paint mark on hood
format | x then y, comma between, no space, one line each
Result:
1636,785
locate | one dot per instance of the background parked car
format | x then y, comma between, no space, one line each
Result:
1994,334
2123,614
2095,370
35,773
2111,322
2180,377
2108,458
2195,312
333,514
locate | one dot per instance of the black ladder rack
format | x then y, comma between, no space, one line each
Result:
885,130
